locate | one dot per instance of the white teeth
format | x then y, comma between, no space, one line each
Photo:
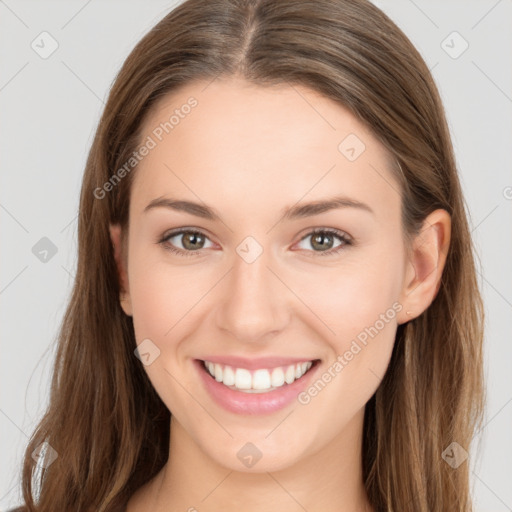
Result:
258,381
261,379
218,372
229,376
277,377
289,376
242,378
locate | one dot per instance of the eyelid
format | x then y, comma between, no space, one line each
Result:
333,231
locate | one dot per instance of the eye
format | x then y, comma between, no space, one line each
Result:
192,242
323,239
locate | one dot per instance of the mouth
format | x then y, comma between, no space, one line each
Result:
260,380
260,390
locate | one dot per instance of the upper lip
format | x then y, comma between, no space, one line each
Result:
256,362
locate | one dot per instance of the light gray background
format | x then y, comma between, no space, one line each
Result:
49,111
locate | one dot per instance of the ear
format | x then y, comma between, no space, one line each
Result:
425,265
121,263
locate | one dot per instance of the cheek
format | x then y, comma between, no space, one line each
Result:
359,303
155,292
165,294
160,300
353,294
365,294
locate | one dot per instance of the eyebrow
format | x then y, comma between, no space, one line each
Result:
289,213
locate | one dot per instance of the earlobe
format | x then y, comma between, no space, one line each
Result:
124,292
426,263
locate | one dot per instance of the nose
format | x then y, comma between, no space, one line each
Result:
254,302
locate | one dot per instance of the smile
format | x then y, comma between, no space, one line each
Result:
257,381
263,389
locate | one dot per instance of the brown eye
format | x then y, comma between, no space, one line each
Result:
191,242
322,241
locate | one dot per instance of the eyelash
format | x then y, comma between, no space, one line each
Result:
339,234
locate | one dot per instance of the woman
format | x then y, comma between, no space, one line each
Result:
275,304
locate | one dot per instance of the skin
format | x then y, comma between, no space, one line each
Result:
249,152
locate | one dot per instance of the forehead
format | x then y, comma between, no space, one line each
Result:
232,141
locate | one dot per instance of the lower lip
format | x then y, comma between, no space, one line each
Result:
254,403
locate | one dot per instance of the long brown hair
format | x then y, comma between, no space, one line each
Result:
105,421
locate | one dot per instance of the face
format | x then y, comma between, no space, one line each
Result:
253,279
